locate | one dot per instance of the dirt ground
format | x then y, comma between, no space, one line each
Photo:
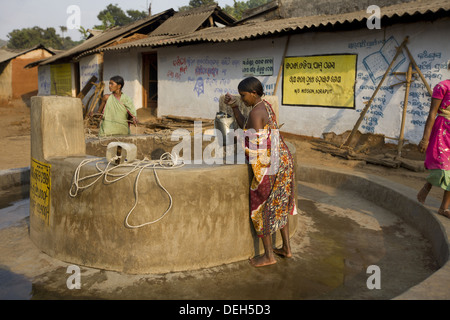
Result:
15,135
15,143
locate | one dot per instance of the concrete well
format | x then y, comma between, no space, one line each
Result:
207,225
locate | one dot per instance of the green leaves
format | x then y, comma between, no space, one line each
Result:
30,37
113,16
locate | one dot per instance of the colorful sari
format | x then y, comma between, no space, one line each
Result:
272,190
438,152
115,116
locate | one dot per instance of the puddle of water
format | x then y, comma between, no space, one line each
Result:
333,247
13,194
14,286
14,212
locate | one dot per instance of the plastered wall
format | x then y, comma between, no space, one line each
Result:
192,78
5,83
16,82
128,65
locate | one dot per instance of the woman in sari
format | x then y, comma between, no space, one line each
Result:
272,189
117,110
436,143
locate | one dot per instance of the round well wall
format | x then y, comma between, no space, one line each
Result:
207,225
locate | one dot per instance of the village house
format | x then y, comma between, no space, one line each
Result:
65,76
16,82
324,63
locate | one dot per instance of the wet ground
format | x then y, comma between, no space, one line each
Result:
339,236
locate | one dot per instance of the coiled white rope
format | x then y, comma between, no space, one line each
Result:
166,161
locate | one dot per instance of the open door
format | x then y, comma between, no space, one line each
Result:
150,82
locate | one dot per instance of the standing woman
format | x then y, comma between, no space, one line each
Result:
117,109
436,143
272,194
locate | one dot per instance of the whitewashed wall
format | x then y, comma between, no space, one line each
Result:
192,78
128,65
89,66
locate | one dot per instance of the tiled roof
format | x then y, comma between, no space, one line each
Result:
186,22
8,54
107,37
273,27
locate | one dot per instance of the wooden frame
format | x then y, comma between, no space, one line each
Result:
150,81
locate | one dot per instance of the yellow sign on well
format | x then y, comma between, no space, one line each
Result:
40,186
326,81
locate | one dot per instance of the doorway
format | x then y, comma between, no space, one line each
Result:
150,82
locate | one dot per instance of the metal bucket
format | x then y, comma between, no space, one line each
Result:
225,124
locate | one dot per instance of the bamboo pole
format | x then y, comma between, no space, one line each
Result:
418,71
87,87
366,108
405,105
280,70
96,97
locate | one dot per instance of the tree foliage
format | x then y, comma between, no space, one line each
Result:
30,37
113,16
235,11
84,32
196,4
239,7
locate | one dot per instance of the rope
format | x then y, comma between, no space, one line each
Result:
166,161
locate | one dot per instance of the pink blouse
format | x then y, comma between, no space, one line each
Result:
442,92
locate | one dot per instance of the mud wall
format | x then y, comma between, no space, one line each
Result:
17,82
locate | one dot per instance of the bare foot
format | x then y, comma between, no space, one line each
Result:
445,213
262,261
423,193
283,252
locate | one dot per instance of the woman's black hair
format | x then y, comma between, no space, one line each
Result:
118,80
251,84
